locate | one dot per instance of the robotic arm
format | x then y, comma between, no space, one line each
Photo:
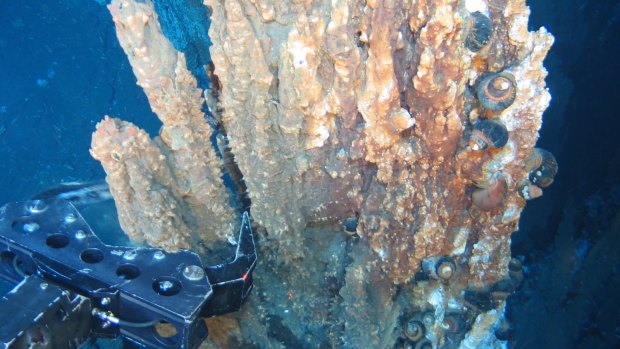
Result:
61,271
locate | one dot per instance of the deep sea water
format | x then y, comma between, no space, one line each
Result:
61,71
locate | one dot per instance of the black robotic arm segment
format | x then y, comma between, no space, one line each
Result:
232,282
134,292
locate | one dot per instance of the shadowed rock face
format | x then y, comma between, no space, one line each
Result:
339,110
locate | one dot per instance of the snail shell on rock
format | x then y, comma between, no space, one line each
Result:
488,134
493,196
414,329
497,91
542,167
454,323
445,268
442,268
478,30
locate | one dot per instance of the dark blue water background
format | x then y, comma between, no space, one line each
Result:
61,71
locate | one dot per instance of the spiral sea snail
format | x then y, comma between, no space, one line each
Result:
497,91
478,30
441,268
414,329
454,323
542,167
488,134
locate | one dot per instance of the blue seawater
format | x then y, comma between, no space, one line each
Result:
61,70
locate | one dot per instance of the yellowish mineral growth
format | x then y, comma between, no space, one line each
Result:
148,210
347,108
192,197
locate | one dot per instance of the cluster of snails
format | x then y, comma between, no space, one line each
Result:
414,329
494,93
457,321
485,299
416,326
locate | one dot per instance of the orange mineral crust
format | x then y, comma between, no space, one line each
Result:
340,109
147,208
387,148
193,184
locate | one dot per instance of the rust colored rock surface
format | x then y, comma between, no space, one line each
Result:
363,110
344,108
351,124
